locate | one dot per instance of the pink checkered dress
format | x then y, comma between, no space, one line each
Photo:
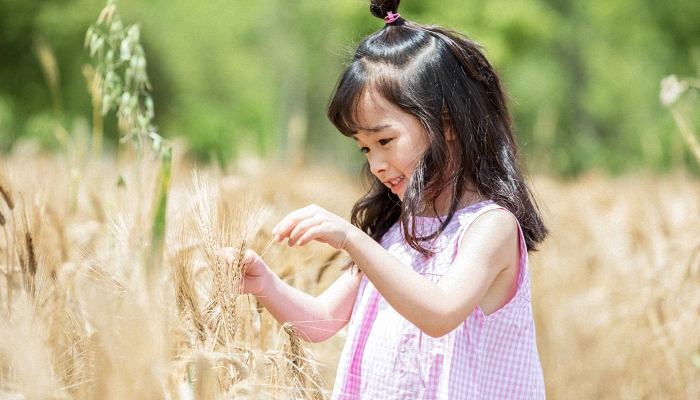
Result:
486,357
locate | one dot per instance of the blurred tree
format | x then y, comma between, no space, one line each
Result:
238,76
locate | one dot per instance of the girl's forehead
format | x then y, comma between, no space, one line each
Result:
372,106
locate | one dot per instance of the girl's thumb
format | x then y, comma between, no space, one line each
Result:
249,257
228,254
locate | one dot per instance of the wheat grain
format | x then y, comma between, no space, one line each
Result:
6,194
31,255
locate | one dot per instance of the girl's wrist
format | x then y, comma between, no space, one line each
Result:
353,240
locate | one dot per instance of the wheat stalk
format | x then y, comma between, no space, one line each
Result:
186,294
206,216
301,369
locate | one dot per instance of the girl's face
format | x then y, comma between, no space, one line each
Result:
393,141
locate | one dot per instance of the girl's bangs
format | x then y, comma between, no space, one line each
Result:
346,105
348,113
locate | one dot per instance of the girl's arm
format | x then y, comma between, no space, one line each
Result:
488,253
314,318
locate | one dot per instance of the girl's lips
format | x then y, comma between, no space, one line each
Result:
394,183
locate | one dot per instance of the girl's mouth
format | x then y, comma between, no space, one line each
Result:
394,182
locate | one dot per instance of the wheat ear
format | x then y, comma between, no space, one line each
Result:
187,299
6,194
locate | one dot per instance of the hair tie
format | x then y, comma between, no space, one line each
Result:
391,17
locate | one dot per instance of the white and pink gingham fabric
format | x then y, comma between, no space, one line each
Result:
486,357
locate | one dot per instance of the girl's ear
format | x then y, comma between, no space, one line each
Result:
446,126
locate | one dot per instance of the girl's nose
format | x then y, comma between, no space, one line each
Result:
377,165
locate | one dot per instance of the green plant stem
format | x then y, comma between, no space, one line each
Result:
155,254
687,133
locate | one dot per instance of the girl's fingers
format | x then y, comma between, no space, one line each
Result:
285,227
249,257
309,235
252,266
311,223
228,255
301,228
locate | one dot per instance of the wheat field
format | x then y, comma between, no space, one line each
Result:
83,315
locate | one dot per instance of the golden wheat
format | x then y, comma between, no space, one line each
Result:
5,190
614,287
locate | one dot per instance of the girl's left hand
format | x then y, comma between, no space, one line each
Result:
313,223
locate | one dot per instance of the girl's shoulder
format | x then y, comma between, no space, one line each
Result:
486,215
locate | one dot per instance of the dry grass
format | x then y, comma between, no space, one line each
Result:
614,287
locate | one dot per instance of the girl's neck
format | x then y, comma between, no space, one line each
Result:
443,203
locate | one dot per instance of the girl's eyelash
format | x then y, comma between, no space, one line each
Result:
382,142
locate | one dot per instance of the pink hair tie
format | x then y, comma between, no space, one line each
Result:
391,17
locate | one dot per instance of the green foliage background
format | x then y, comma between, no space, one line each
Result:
235,76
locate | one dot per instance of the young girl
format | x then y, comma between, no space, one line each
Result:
441,308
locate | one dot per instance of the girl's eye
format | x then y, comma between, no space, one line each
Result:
364,150
384,142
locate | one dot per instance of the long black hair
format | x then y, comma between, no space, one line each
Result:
442,78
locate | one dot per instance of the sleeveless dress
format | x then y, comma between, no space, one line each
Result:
486,357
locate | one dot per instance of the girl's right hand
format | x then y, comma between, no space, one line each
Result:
314,223
254,270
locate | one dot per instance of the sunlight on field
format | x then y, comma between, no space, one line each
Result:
614,287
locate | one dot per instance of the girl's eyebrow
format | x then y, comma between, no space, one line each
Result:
373,129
